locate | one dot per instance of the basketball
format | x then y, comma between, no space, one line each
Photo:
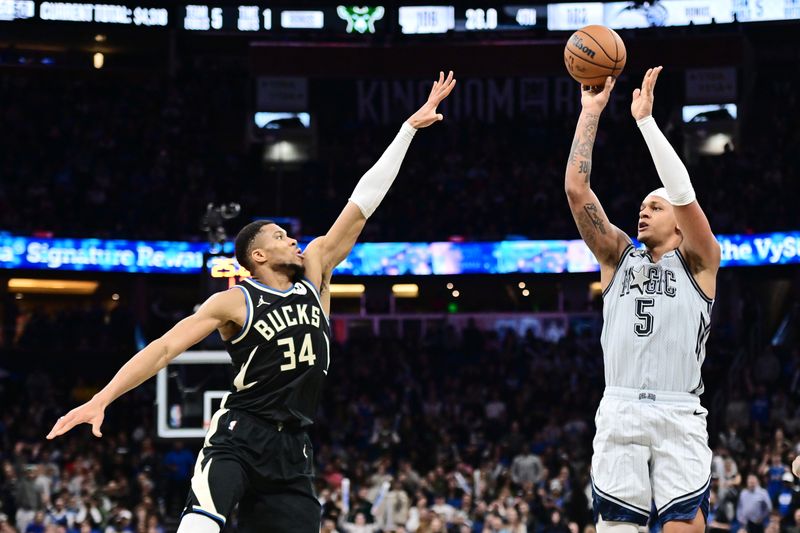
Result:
594,53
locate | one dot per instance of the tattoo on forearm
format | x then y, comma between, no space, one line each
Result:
582,145
594,216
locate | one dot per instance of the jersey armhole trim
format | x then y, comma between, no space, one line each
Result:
691,277
317,295
309,282
246,326
616,269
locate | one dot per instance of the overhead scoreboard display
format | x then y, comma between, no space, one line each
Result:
375,19
250,18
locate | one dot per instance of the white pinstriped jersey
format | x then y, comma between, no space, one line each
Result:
656,323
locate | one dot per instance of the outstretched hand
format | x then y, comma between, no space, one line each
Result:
92,412
594,100
427,115
642,105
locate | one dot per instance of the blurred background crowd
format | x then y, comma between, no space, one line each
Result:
478,432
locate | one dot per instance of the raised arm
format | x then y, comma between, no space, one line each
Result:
324,253
218,310
699,245
606,241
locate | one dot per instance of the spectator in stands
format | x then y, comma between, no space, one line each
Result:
526,468
754,506
28,498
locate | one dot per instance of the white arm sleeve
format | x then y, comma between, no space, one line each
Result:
669,166
374,185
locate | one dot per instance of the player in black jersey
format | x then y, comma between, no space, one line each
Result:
275,327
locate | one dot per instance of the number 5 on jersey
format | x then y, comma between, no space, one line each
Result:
644,327
306,353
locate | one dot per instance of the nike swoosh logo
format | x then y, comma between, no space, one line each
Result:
698,413
238,381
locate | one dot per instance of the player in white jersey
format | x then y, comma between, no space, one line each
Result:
651,447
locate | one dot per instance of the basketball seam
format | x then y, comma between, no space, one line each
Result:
616,52
618,62
598,44
584,59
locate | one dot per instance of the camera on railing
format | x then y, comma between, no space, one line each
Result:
213,220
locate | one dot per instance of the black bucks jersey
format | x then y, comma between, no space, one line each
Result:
281,355
656,321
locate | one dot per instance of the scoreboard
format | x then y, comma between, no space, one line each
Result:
331,20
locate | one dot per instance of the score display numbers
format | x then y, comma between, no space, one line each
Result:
417,20
255,18
508,18
243,18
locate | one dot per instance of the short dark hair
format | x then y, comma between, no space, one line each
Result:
244,242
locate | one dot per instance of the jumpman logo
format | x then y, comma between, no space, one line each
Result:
261,301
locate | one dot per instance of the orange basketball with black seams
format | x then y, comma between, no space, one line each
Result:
593,53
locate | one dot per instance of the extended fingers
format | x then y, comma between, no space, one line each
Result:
449,78
448,86
654,77
646,79
443,87
61,427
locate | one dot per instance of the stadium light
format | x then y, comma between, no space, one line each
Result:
52,286
347,290
405,290
98,60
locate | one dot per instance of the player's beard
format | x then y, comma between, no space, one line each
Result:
294,271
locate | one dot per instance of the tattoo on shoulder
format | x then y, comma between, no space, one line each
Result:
594,216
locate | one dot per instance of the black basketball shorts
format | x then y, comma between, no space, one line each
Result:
267,469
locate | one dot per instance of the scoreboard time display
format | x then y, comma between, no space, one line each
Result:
420,20
267,19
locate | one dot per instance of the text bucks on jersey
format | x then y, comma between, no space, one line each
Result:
656,323
282,354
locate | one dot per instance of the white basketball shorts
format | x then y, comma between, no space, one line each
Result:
651,457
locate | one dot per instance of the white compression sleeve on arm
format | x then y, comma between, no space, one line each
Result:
375,183
669,166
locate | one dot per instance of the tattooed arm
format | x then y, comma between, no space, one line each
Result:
605,240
